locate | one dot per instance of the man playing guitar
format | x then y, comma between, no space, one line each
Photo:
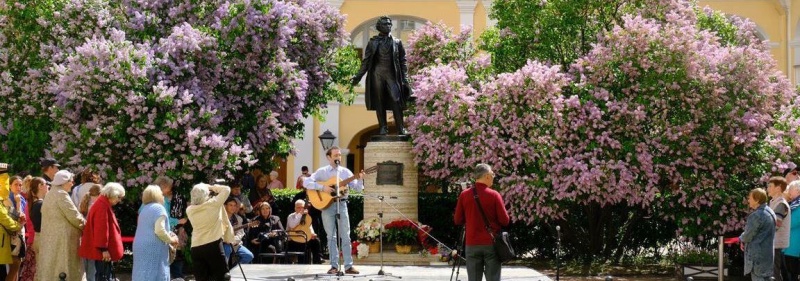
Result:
323,174
300,222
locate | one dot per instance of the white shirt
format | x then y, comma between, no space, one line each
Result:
294,219
325,173
209,220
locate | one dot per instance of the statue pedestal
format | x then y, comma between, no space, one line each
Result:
396,177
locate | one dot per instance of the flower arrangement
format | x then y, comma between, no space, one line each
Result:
401,232
363,250
368,230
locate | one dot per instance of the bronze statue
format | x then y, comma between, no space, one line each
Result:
387,82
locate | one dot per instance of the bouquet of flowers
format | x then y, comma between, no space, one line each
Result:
368,230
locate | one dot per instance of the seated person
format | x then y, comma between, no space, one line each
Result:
301,220
246,209
265,238
232,205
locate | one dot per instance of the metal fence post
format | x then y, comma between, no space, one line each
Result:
720,264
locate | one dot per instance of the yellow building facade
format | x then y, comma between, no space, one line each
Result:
778,22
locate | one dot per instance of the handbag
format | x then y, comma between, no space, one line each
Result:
173,252
502,242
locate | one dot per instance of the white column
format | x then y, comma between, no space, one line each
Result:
336,3
467,10
487,5
331,124
305,149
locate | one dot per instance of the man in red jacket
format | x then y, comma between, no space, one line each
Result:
481,256
101,241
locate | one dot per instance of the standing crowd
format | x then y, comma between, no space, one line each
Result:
771,238
67,222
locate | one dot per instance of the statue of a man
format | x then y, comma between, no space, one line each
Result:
387,82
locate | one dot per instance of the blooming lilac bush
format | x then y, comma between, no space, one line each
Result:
674,111
184,88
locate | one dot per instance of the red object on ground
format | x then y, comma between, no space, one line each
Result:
732,240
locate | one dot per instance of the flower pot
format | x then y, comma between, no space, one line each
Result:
374,247
402,249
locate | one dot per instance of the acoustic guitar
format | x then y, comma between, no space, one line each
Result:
322,200
253,223
303,227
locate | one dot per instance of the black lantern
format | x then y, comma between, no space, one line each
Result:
327,139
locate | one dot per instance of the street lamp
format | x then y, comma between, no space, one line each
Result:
327,139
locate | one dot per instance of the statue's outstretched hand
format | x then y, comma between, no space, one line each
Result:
355,81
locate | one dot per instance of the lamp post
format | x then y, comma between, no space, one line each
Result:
327,139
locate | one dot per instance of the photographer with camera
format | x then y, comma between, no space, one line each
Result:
211,227
267,236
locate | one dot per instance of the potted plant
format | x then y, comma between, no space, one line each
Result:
368,232
403,234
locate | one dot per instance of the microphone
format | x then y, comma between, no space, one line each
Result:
558,228
454,253
337,162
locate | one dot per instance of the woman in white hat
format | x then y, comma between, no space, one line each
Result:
62,224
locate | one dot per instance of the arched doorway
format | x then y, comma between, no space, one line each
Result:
358,143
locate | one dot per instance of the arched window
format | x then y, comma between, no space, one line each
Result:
402,26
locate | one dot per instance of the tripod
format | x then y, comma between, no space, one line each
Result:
456,254
234,261
381,273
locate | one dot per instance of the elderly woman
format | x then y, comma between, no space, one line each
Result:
150,246
211,226
37,189
792,253
264,237
61,231
758,237
274,183
101,242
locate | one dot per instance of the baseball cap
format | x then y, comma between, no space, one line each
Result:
62,177
47,162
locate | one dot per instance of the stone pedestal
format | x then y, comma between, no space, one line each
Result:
390,153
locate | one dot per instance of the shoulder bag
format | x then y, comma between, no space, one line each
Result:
502,241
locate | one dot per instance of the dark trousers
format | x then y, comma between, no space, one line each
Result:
314,248
176,268
779,271
792,267
103,271
209,262
482,260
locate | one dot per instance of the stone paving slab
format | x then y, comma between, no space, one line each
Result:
259,272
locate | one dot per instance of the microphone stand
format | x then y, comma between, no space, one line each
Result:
339,271
381,273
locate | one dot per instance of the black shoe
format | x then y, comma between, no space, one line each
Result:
402,131
383,131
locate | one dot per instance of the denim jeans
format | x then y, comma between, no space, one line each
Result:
482,260
329,221
89,268
245,256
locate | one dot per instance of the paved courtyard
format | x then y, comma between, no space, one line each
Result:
369,272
